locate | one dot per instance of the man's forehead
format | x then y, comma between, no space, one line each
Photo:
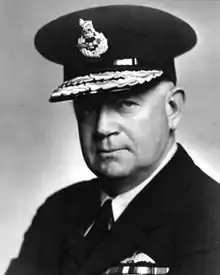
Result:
135,92
114,95
101,99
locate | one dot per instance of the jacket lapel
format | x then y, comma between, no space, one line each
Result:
79,217
148,211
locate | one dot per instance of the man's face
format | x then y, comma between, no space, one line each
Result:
123,133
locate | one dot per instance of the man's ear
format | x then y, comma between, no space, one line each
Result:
175,101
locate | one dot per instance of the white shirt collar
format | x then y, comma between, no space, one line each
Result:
120,202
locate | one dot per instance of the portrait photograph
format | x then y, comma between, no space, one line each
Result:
110,137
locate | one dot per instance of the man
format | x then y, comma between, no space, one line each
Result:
150,210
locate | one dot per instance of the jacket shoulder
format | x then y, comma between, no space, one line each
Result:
71,195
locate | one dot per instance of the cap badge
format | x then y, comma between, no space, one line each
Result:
91,43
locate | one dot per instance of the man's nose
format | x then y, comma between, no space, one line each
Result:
107,121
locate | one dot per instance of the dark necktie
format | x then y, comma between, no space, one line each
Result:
100,229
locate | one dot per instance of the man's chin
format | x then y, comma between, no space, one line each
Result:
111,173
112,168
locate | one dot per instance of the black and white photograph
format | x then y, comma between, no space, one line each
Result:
110,137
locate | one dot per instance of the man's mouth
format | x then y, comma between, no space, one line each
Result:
109,152
100,151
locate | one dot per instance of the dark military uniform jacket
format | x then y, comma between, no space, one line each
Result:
175,220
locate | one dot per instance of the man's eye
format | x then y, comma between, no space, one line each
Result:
87,110
126,104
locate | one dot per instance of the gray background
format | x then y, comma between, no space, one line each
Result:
39,146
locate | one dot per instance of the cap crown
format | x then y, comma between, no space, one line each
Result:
150,36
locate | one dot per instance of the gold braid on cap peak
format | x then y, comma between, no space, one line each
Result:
95,82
